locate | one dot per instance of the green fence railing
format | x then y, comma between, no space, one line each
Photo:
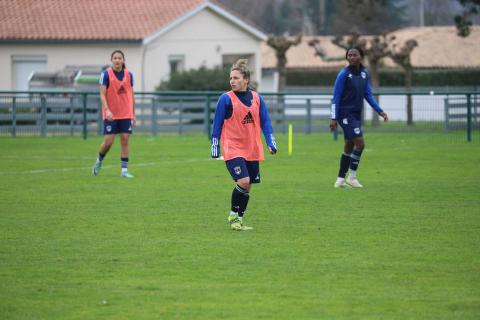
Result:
79,113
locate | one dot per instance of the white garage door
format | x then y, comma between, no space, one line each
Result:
23,67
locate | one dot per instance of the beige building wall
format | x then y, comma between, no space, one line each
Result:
202,39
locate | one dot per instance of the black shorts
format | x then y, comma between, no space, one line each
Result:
240,168
117,126
352,127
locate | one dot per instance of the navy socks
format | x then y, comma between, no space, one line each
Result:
240,199
344,164
355,159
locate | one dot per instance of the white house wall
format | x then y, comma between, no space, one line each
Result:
202,39
60,55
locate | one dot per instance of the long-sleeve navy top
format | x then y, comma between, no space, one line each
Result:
351,87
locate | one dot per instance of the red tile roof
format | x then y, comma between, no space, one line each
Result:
88,20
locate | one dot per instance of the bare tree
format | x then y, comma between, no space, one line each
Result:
401,56
319,52
280,45
464,21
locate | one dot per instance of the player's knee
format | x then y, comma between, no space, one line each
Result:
348,148
108,143
244,183
360,146
124,141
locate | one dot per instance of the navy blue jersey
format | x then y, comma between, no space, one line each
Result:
224,110
351,87
105,81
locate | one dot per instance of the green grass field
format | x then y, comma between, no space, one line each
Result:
74,246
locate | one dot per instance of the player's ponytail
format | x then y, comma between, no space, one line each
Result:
241,65
123,55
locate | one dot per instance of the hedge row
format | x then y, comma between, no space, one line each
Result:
392,77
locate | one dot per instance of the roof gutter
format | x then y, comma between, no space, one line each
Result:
68,41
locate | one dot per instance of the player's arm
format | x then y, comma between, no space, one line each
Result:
372,102
267,128
337,96
220,112
104,81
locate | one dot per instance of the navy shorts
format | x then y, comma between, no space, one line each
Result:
352,127
240,168
117,126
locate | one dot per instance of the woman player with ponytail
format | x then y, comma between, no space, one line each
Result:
240,115
118,110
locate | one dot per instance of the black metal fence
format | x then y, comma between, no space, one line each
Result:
79,113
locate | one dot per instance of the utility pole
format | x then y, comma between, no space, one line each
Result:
422,13
322,23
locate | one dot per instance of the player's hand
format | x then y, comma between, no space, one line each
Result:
215,150
272,149
134,122
384,116
333,124
109,115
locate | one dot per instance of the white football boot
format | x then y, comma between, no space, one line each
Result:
353,182
341,183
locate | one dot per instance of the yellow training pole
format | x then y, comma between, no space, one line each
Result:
290,139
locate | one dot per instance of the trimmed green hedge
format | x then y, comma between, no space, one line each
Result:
392,77
201,79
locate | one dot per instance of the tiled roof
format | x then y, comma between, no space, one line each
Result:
441,47
89,20
438,47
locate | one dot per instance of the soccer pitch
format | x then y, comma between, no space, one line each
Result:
75,246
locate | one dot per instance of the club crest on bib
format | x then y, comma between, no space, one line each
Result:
363,74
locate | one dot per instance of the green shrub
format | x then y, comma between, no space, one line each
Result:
202,79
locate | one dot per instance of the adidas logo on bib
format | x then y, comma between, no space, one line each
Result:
248,118
121,90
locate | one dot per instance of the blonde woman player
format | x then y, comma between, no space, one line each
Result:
240,115
118,110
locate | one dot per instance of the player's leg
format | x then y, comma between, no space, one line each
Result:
344,164
253,168
124,137
109,137
355,155
125,131
238,170
242,195
347,150
359,145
